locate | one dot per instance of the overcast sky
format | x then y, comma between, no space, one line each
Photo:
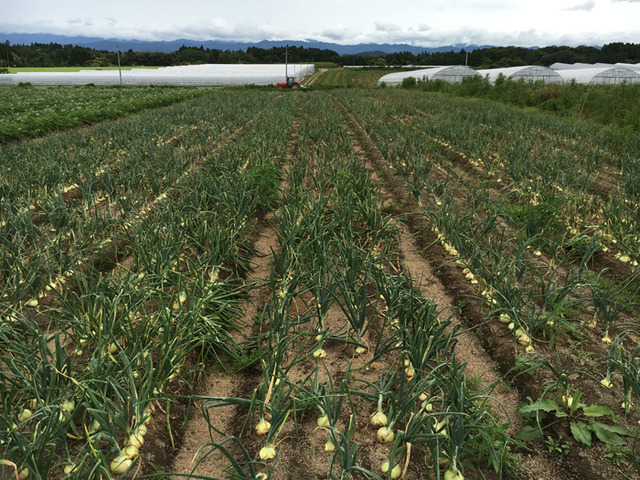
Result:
426,23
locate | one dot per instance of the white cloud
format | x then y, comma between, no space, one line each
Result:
433,23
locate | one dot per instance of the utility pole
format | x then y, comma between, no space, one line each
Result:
286,62
119,69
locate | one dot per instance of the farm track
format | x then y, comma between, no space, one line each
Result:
497,350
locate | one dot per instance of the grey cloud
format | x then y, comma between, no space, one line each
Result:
386,27
336,34
586,6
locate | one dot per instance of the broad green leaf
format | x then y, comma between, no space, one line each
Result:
529,433
544,405
596,411
619,429
605,435
581,433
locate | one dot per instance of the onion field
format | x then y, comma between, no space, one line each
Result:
355,283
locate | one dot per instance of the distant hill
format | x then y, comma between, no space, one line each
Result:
171,46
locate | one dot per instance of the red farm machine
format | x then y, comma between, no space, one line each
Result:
291,81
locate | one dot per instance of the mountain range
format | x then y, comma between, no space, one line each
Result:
173,45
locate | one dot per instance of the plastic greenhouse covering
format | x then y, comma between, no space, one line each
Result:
571,66
527,73
191,75
453,74
601,76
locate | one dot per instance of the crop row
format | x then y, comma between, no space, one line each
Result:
502,220
79,398
30,112
348,342
65,198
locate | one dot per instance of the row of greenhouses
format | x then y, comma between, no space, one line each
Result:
586,74
189,75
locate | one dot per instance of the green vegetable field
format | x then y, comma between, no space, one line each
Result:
375,283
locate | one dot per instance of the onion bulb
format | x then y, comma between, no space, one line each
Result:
130,451
395,471
385,435
323,421
136,439
360,350
439,426
320,353
378,419
120,464
68,406
182,297
267,452
25,415
409,371
263,427
329,446
70,468
453,473
95,426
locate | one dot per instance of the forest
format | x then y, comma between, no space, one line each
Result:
56,55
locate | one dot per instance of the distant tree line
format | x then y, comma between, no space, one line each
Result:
56,55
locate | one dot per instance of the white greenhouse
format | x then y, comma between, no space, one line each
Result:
577,65
530,73
600,76
452,74
191,75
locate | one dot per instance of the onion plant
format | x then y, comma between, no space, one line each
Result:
609,302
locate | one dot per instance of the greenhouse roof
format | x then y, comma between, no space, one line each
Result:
191,75
451,74
602,75
528,73
572,66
